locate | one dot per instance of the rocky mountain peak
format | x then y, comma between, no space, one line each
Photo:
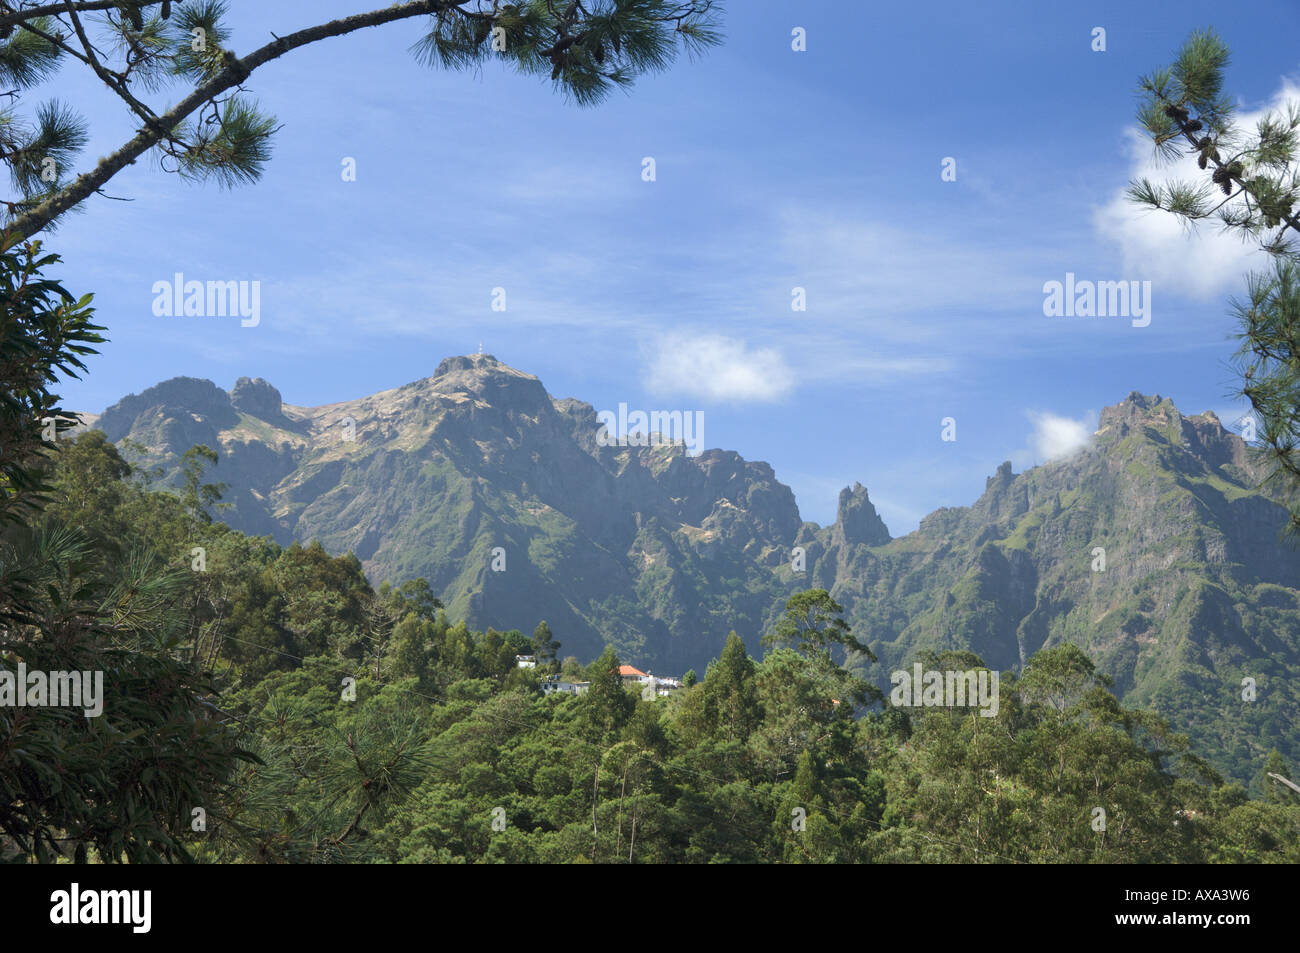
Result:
1203,435
189,398
857,521
1001,478
1005,497
256,397
467,362
485,378
1136,409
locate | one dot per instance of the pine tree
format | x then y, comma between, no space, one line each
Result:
1252,186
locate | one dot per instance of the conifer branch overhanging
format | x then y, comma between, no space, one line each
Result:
586,49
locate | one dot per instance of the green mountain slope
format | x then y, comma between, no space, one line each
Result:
1197,592
500,496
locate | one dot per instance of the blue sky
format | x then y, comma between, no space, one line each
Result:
774,169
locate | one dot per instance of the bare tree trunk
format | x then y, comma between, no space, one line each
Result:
631,844
618,845
1281,780
595,788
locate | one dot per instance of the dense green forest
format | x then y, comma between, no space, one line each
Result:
294,714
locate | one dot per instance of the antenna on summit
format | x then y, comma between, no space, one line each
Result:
480,347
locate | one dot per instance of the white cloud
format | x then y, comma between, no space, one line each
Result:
1202,263
1058,436
1054,437
715,367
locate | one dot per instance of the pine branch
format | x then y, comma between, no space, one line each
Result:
571,46
110,80
235,72
1228,171
15,17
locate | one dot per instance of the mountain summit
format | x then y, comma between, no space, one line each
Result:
478,466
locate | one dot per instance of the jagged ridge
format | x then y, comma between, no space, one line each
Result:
660,553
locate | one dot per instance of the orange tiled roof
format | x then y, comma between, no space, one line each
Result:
629,670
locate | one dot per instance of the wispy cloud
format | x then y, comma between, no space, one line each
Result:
715,367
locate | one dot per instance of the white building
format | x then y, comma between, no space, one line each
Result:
555,684
653,686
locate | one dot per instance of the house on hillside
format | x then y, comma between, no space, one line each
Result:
554,683
526,661
632,676
652,685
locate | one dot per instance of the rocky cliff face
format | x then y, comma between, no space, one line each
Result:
502,497
856,520
257,398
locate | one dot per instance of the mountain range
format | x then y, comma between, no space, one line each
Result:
1152,548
